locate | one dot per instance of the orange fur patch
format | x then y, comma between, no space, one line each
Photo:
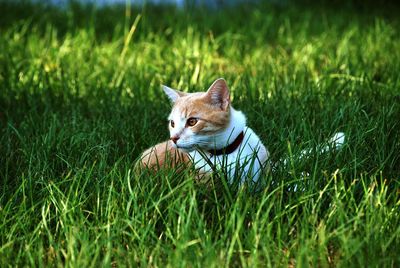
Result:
164,155
211,118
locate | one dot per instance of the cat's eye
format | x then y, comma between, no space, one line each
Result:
192,121
172,123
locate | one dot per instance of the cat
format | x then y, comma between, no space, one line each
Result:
207,132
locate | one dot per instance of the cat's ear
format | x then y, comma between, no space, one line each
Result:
218,94
173,94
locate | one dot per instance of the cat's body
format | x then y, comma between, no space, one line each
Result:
209,133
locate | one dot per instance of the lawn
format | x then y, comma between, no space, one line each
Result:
81,98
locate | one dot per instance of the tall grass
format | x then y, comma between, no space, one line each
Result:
80,99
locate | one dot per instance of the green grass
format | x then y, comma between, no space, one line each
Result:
80,99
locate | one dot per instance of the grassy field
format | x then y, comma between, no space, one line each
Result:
80,99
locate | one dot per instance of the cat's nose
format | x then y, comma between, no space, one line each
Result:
174,139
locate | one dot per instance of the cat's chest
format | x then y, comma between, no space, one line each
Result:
246,158
205,159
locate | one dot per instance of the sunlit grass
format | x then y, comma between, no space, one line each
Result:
80,99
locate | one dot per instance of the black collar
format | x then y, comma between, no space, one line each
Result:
230,148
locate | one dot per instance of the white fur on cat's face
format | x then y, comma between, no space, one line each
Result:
187,138
212,111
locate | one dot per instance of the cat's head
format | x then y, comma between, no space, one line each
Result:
197,118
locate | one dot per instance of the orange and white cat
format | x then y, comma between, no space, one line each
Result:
206,131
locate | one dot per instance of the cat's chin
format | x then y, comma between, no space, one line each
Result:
183,148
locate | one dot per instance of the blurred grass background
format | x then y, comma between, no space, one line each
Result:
80,99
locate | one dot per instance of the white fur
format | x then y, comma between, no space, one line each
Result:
334,143
337,140
250,157
171,93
